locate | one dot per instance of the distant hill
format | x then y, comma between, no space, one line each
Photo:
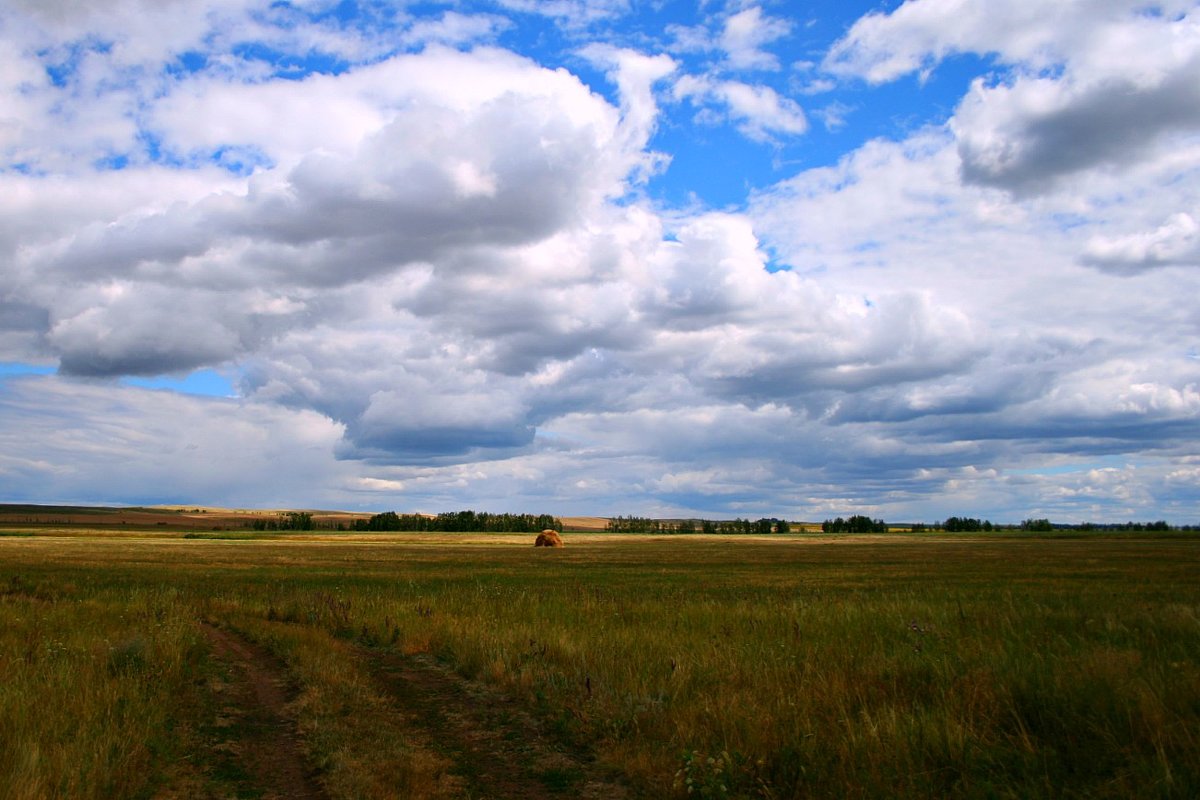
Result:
181,517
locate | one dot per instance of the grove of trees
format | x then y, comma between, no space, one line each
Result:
291,521
855,524
460,521
966,524
765,525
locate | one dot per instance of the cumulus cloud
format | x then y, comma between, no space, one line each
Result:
758,111
136,31
498,171
148,333
719,90
744,34
635,75
289,120
454,194
740,38
1176,241
445,272
1066,104
883,46
1030,355
456,29
1025,136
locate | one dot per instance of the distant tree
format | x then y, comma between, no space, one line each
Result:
1037,525
296,521
856,524
461,521
387,521
965,524
782,526
631,525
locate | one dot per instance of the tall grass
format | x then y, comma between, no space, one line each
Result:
90,675
865,668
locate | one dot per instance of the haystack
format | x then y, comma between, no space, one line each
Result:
548,538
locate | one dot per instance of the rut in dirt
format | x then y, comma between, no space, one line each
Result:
499,750
267,745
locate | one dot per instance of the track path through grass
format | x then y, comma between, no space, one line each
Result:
267,745
498,749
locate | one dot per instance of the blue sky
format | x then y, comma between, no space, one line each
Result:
908,259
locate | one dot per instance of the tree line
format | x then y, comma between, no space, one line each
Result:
765,525
1043,525
291,521
855,524
485,522
460,522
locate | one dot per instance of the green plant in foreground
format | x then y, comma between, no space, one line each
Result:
720,776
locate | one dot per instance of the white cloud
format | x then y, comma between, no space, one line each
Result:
440,273
1032,133
137,31
745,33
1177,241
740,39
456,29
289,120
575,14
1067,104
759,111
1052,357
914,37
85,442
145,332
635,75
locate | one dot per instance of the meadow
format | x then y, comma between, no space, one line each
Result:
775,667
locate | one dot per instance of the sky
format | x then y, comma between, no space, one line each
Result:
709,258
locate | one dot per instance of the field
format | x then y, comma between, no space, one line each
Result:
351,666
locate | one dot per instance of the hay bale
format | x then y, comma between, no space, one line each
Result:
548,538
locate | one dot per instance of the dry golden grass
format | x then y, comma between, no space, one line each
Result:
771,666
593,524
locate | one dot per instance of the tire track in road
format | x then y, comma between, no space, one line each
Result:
266,744
499,749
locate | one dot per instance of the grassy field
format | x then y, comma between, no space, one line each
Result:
776,667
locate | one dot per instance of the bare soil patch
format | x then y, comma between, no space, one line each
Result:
498,748
263,737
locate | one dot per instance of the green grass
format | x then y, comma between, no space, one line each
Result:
970,666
